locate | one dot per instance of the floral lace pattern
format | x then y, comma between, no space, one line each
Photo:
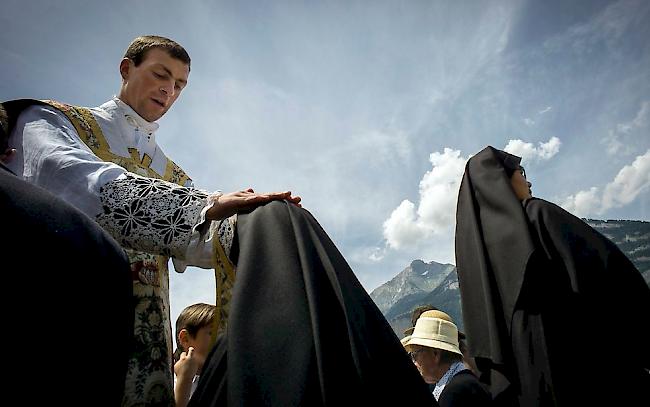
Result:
151,211
149,378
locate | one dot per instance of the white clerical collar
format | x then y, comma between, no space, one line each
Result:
134,119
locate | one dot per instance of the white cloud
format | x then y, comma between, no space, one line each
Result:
403,228
630,181
545,110
529,153
550,148
582,203
436,210
439,190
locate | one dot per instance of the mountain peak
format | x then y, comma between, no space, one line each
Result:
418,266
419,278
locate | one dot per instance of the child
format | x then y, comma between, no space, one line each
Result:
193,332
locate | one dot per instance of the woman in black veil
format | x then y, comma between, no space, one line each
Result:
301,330
554,312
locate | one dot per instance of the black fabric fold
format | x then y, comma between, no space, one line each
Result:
72,306
592,303
493,246
302,331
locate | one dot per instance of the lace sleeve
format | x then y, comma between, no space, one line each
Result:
151,215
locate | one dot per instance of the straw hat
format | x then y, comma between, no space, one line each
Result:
434,329
437,314
405,339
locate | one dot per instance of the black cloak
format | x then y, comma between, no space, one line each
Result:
302,331
68,310
554,312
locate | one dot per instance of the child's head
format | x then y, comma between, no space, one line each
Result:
193,328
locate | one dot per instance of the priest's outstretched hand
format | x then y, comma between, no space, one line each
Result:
228,204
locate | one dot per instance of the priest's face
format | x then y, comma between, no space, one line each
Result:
520,185
153,86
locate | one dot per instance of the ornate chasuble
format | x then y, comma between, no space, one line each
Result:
92,135
149,378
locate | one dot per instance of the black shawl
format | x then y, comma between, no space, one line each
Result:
302,331
68,301
548,302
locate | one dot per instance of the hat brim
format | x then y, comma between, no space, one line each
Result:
431,343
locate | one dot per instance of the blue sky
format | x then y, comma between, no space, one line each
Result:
369,109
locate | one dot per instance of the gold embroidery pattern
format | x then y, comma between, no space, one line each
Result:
224,275
134,154
146,161
175,173
91,134
85,124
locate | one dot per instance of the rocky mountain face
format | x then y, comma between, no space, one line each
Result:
418,279
446,297
437,284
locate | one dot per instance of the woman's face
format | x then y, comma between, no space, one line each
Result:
520,185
